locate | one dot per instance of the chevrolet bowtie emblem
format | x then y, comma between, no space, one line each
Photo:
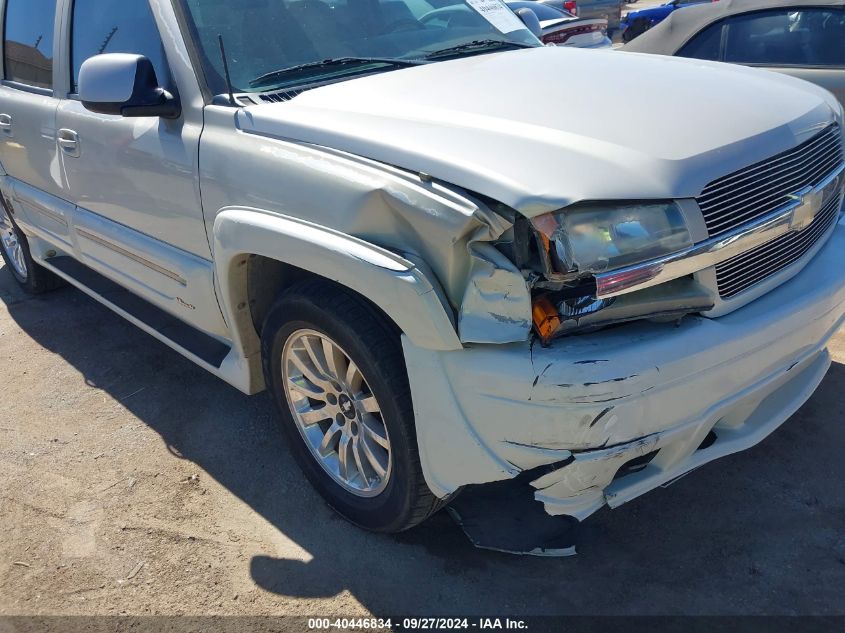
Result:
810,203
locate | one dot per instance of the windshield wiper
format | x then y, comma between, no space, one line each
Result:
328,63
477,45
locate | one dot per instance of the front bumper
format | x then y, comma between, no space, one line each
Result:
587,406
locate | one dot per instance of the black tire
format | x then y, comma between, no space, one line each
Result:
636,28
37,279
373,344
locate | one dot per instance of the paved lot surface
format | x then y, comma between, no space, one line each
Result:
133,482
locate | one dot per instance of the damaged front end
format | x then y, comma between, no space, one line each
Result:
600,418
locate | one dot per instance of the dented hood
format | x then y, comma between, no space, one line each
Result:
539,129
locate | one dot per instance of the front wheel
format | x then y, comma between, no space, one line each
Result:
335,369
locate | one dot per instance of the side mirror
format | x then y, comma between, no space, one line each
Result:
125,85
531,22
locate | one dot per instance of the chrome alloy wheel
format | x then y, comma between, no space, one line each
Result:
336,413
12,245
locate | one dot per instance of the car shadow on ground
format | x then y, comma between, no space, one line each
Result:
759,532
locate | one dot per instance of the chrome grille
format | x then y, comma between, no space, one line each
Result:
762,188
739,273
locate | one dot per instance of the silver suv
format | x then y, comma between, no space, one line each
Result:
441,276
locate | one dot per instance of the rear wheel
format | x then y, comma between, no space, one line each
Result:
335,369
14,248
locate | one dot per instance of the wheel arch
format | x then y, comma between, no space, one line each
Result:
258,254
268,278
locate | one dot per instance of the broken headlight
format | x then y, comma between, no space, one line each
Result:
597,237
587,239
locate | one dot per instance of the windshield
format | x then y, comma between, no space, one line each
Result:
264,37
544,12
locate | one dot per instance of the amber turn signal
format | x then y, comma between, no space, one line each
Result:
546,318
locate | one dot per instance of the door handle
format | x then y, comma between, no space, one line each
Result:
5,122
69,142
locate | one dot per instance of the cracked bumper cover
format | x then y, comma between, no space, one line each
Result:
588,405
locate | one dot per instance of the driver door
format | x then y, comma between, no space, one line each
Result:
134,181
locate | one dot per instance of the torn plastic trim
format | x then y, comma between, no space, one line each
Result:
503,516
577,489
589,480
496,307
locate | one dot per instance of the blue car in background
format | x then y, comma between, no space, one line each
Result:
638,22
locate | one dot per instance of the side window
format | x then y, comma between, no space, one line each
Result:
106,26
28,42
799,37
705,45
